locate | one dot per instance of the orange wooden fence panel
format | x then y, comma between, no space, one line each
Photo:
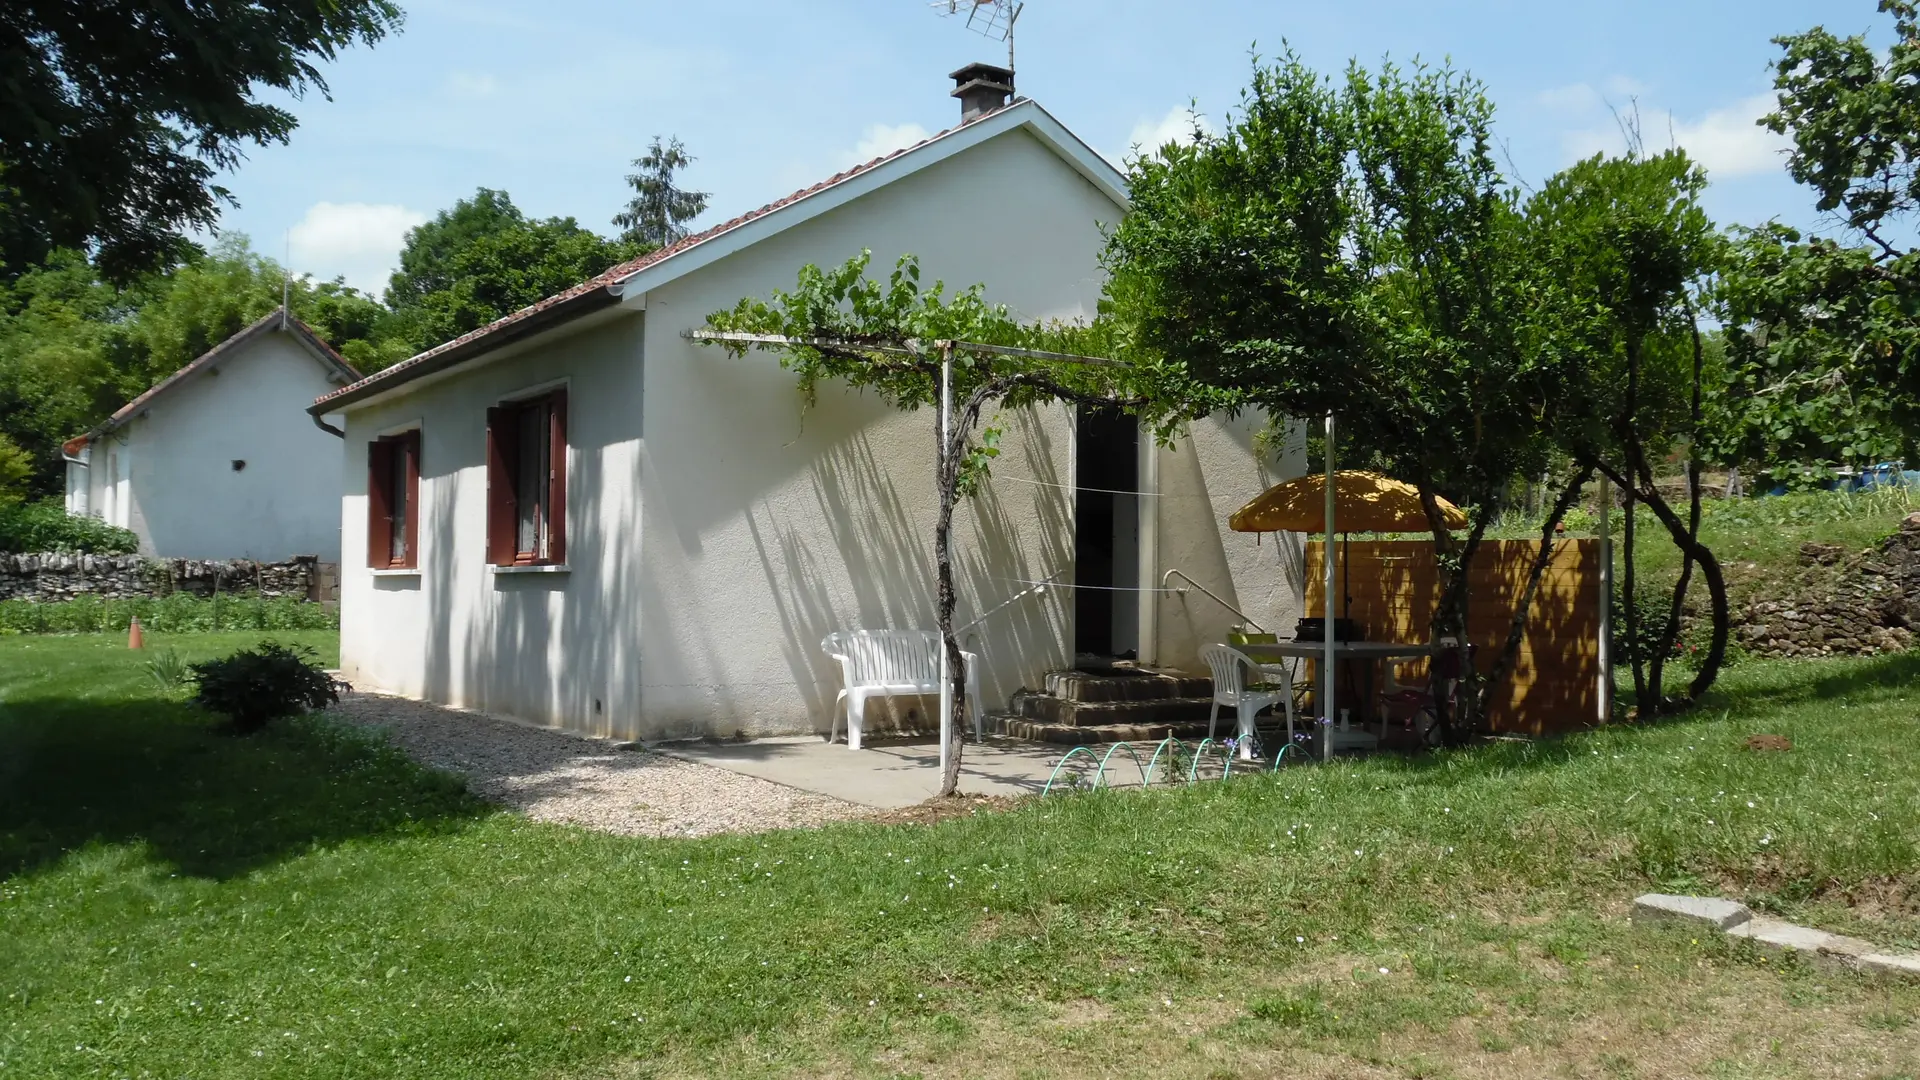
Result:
1555,683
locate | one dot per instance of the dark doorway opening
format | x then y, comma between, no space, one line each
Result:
1106,536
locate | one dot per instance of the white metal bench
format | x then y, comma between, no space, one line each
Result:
883,663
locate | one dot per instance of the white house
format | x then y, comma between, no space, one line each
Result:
216,461
578,517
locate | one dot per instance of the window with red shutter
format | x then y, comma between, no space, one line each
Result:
393,502
527,481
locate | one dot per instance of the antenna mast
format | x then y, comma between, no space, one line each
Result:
989,18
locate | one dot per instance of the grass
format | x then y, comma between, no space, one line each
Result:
1758,540
174,901
177,613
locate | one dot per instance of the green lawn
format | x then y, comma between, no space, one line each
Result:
177,902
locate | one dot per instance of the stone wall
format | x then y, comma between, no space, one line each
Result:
56,576
1872,607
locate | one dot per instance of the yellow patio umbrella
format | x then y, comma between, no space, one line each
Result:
1363,502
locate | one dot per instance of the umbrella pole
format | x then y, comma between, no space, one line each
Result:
1346,573
1326,634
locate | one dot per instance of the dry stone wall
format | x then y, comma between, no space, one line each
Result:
56,576
1872,607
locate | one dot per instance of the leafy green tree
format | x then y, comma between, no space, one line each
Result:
482,259
659,210
16,472
1624,248
1822,337
426,260
1350,247
118,117
59,324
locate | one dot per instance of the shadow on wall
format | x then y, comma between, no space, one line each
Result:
548,646
889,571
1210,475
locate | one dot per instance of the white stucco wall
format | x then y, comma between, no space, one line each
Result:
716,531
168,473
109,458
769,529
1202,482
78,496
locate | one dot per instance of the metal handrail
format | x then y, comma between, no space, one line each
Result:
1246,618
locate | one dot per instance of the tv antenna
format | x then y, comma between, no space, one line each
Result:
989,18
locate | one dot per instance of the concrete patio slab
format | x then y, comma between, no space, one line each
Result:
886,774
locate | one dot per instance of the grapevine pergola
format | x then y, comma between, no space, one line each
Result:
950,460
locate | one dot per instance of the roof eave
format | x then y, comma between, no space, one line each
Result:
584,304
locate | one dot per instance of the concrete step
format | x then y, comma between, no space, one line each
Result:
1046,709
1143,686
1074,735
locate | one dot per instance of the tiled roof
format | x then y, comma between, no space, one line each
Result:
208,359
398,372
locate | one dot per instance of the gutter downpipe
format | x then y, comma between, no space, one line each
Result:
326,427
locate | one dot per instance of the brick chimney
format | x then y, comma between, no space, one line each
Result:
981,88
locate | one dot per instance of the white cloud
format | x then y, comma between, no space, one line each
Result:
1727,142
883,139
463,84
1578,97
1150,135
358,241
1730,141
1623,86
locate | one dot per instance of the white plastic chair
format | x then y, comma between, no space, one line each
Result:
1232,688
883,663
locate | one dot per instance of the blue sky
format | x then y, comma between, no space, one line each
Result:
550,101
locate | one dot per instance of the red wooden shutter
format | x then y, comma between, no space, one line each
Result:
412,524
557,478
379,503
503,509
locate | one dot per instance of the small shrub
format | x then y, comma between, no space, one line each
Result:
254,687
168,670
45,526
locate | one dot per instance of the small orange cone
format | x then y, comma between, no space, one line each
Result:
135,639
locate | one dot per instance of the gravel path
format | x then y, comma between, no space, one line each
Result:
551,776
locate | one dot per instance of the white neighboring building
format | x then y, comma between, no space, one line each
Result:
577,517
217,460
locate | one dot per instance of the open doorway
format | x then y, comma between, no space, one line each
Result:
1106,536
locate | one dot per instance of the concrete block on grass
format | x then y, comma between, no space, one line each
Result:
1907,964
1788,937
1658,907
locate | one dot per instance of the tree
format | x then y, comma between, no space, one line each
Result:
1349,247
1822,338
482,259
656,214
426,259
117,117
1625,249
892,339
